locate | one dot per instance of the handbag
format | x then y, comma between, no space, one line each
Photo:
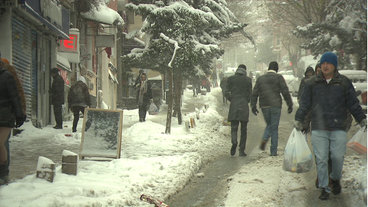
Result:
297,157
359,141
6,118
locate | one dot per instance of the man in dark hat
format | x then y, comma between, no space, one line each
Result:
238,91
327,97
57,97
268,88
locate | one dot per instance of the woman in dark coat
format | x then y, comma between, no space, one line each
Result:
143,97
11,115
238,92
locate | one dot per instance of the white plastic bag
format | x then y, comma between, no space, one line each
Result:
152,110
359,141
297,157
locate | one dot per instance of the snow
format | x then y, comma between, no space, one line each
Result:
103,14
159,164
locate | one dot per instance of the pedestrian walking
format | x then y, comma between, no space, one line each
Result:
238,92
309,73
268,88
144,97
317,69
11,115
78,100
223,85
328,96
138,78
57,97
22,96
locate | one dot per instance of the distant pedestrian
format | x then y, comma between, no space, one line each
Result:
138,79
268,88
317,69
57,97
328,96
238,92
309,73
11,115
223,85
144,97
22,96
78,100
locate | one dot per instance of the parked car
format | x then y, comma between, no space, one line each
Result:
359,80
292,82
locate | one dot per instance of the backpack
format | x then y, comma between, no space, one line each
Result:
77,94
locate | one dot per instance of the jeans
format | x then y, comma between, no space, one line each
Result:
243,134
272,117
325,142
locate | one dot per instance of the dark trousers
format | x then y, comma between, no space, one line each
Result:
142,111
4,170
58,115
243,134
76,110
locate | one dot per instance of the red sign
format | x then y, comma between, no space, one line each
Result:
69,45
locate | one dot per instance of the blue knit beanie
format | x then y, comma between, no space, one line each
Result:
329,57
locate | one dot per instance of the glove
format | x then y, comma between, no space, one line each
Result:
20,120
290,109
298,125
255,111
363,123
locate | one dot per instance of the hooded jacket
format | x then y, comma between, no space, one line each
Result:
9,96
238,91
328,102
305,80
79,95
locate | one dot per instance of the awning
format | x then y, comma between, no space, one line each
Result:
57,31
104,14
63,62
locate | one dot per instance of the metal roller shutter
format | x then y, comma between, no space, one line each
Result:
22,44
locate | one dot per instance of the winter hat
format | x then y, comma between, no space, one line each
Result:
54,71
273,66
242,66
309,69
81,78
329,57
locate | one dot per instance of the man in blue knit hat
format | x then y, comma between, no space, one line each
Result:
328,96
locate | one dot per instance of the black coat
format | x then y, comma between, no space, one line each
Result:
9,96
57,90
238,92
146,96
268,88
329,102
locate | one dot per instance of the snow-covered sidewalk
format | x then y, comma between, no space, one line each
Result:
158,164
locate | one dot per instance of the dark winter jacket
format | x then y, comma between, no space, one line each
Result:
304,81
146,96
223,85
79,95
238,92
268,88
9,97
328,103
57,90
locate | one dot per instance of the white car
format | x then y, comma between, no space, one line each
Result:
292,82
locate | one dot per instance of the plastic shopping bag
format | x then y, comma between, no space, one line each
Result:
297,157
152,110
359,141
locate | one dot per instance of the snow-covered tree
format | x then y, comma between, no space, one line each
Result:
191,28
344,31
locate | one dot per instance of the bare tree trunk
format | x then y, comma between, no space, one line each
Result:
170,99
178,95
